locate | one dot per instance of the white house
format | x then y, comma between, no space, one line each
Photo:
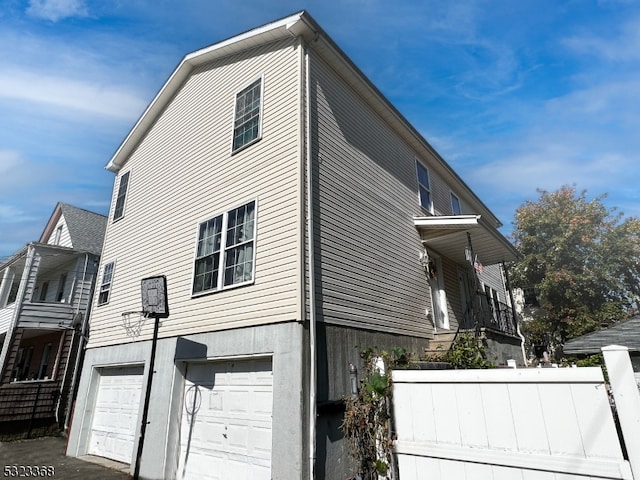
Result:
297,216
45,295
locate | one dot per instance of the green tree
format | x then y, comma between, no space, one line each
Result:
583,259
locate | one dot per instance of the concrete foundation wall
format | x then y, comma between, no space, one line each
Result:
337,347
502,347
283,342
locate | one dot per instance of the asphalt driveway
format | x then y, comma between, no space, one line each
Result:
20,459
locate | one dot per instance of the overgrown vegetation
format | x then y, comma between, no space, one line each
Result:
366,423
467,351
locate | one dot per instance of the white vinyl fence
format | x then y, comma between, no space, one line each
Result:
552,423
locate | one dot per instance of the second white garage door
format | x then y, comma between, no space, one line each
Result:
115,417
226,421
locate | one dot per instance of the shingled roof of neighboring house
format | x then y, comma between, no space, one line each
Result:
625,333
85,228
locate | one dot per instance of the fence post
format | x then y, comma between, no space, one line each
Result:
627,398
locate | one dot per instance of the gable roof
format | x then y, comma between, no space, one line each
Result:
86,228
302,26
625,333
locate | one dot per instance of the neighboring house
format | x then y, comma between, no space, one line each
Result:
298,218
625,333
45,296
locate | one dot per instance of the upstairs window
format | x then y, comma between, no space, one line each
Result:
13,293
118,212
225,252
455,204
531,297
424,188
43,292
57,236
105,285
246,123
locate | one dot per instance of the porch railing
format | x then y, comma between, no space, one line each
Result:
497,316
24,407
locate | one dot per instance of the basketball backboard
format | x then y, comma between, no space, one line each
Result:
154,296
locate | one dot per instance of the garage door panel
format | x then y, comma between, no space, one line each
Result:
226,419
115,415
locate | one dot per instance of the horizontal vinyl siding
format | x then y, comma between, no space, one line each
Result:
492,275
183,173
365,197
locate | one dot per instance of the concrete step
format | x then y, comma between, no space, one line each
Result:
440,344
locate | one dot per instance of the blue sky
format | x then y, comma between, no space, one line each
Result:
515,95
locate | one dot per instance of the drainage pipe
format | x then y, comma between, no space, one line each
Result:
312,293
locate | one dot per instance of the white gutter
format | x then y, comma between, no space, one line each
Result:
312,294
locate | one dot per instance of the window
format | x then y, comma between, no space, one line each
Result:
105,286
455,204
44,362
122,195
492,301
424,190
531,297
225,250
61,284
58,234
44,291
13,293
246,124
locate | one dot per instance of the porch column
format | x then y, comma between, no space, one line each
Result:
8,344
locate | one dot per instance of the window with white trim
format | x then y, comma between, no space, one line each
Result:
455,204
58,235
247,118
118,211
105,285
424,189
225,252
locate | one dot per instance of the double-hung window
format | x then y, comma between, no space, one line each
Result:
455,204
118,212
247,119
105,285
225,251
424,188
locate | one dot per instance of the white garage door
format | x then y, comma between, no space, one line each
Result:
115,416
226,421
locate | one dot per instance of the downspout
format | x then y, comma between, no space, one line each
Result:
81,342
312,292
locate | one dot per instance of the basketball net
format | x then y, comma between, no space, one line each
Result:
133,322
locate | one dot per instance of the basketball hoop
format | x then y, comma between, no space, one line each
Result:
133,322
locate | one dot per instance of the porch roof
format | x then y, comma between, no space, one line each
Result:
447,234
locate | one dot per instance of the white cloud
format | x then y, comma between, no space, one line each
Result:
621,46
56,10
9,160
70,93
12,214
